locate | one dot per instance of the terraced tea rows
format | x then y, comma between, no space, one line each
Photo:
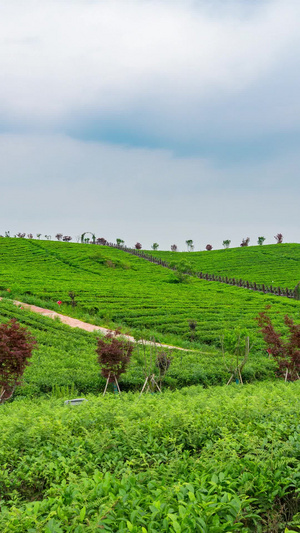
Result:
112,286
66,358
277,265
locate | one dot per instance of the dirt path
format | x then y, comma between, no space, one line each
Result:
75,323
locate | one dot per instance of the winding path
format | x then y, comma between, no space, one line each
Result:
75,323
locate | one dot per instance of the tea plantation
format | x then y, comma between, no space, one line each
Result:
113,287
200,457
277,265
217,460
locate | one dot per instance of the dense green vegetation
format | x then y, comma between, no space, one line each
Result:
113,288
198,458
277,265
66,358
217,460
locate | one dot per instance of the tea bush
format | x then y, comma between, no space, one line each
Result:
216,460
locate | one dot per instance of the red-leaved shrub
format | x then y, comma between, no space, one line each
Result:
285,351
16,345
113,355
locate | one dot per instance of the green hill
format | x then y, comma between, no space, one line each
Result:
113,287
66,361
277,265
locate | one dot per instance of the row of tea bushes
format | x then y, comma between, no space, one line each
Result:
217,460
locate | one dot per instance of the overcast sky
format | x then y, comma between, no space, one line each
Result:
151,120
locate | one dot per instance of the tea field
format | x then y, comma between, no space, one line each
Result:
66,360
114,288
277,265
218,460
200,457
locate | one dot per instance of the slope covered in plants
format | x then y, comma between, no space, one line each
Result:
220,460
274,264
66,359
114,287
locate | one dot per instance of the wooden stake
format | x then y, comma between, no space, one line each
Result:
107,381
117,385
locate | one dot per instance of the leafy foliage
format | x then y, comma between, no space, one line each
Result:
286,352
279,238
245,242
217,460
113,355
226,243
16,345
261,240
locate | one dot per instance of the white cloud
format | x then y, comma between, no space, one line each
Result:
51,185
60,60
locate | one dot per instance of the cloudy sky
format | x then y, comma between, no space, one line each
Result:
151,120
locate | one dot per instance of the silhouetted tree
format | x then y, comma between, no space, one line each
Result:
279,238
261,240
154,246
174,248
138,246
209,247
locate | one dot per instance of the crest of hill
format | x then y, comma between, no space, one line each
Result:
276,264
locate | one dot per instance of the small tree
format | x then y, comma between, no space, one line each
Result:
16,345
153,357
163,362
226,243
113,357
245,242
29,236
174,248
261,240
119,242
154,246
101,241
193,326
67,238
235,349
59,236
21,235
279,238
138,246
286,352
209,247
190,245
72,295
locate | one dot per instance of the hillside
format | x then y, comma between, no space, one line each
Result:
277,265
116,288
66,360
214,461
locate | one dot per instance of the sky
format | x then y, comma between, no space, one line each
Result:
151,120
